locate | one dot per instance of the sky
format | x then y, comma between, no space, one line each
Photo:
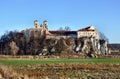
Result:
104,15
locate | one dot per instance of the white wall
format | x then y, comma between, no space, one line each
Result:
87,34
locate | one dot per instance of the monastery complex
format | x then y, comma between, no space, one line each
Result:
89,31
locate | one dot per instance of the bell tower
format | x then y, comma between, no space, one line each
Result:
45,24
36,23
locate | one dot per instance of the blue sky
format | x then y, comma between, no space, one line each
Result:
103,14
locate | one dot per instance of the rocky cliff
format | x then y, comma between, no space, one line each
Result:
89,47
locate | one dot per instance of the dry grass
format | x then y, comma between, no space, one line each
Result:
7,72
107,71
59,69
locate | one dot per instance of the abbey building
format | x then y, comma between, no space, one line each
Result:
42,29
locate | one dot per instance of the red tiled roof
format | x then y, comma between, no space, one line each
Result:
63,32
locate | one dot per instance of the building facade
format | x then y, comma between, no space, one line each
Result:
88,32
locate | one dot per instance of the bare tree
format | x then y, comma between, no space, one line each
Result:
14,48
61,31
67,28
103,37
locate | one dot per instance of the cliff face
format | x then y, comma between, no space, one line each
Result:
87,46
92,47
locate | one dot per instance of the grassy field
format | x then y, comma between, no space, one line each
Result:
58,61
103,68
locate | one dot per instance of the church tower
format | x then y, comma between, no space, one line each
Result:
45,24
36,23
